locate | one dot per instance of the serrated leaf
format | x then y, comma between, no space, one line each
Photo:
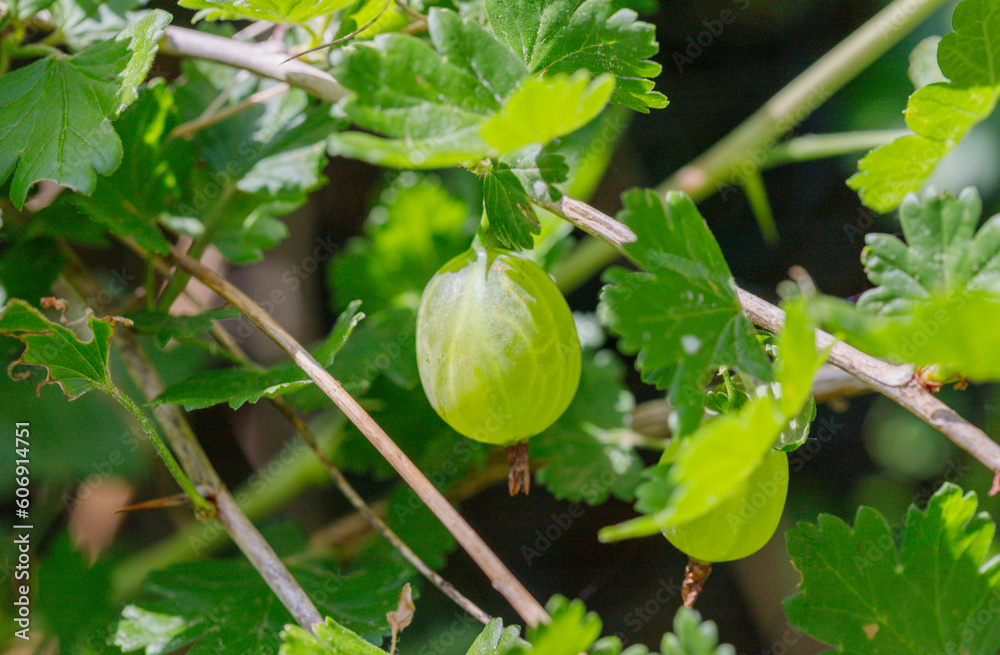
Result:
55,113
495,639
708,465
86,22
431,99
861,595
564,36
276,11
571,631
149,631
508,208
228,608
586,452
240,385
542,109
692,636
76,366
329,638
939,114
943,254
461,97
681,315
953,334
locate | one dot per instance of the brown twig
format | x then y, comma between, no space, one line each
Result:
200,470
256,58
502,579
896,382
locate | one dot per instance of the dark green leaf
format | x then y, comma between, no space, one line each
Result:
55,114
129,202
165,326
76,366
939,114
587,452
564,36
29,267
861,595
681,315
242,385
65,575
330,638
227,608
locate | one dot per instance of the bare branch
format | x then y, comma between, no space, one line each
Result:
590,220
256,58
502,579
196,464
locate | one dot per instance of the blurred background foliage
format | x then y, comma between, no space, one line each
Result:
863,450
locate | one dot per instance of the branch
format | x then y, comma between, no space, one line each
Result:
256,58
502,579
198,467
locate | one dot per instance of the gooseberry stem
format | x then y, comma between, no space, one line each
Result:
695,575
519,475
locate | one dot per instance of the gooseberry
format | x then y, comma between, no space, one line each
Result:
743,522
497,349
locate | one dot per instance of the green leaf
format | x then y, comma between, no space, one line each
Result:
431,99
937,295
508,208
29,267
495,639
564,36
276,11
587,452
707,466
861,595
151,631
940,114
76,366
165,326
228,608
86,22
64,575
408,236
129,202
571,631
529,116
330,638
55,114
681,315
692,636
239,385
943,254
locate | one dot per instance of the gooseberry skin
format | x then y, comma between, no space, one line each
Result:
497,348
742,523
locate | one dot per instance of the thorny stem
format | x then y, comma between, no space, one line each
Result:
503,580
204,510
200,470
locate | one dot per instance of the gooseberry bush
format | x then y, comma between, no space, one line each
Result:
145,145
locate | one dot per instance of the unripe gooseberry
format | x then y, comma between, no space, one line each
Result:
742,523
497,348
